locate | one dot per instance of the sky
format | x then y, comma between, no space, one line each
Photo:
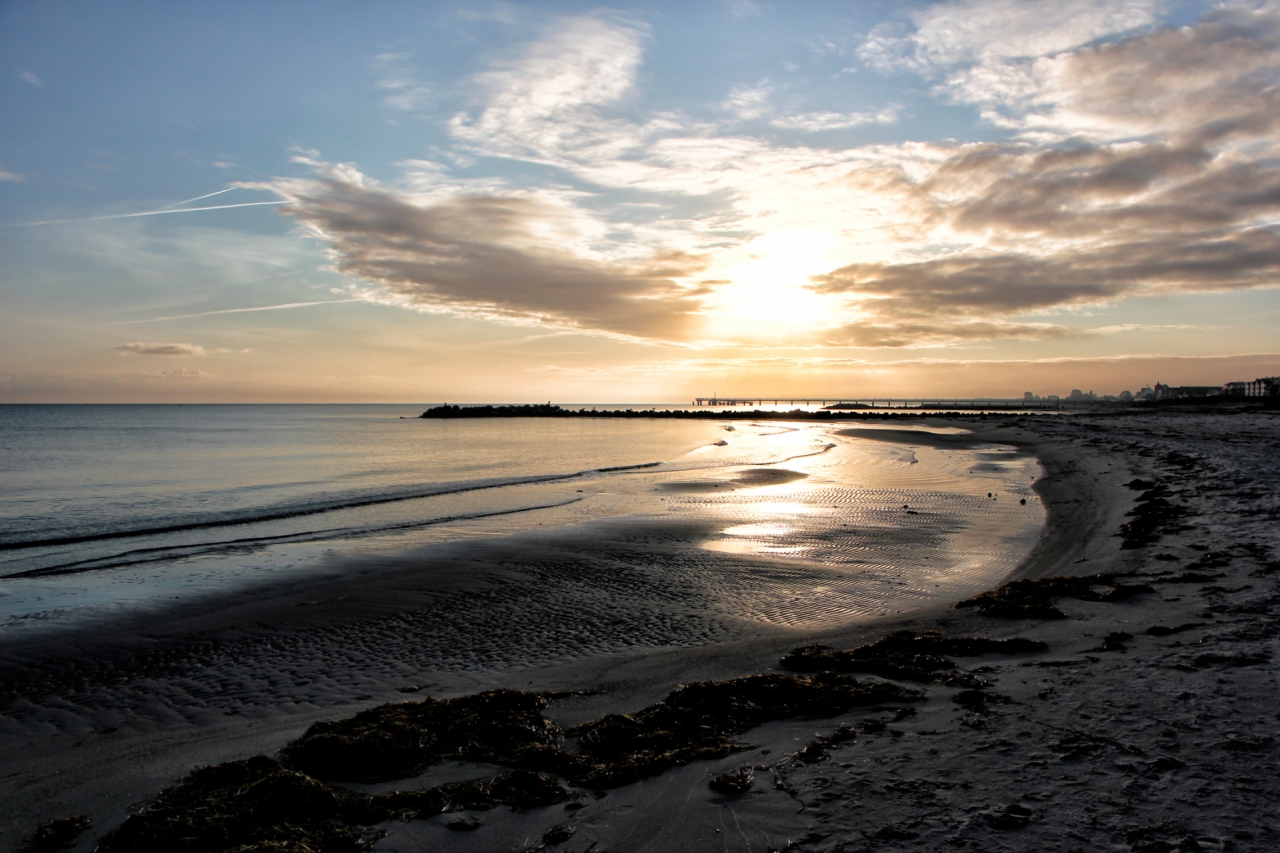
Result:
423,202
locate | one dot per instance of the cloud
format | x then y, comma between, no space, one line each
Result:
13,177
1141,161
140,348
749,102
744,8
28,77
546,102
1026,226
1208,82
404,91
820,121
179,373
512,258
989,52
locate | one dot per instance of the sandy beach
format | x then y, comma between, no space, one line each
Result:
1148,724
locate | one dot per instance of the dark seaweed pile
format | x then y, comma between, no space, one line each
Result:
291,806
259,804
1035,599
905,655
1153,516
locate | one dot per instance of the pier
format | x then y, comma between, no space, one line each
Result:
854,403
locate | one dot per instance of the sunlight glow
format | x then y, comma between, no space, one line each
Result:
769,284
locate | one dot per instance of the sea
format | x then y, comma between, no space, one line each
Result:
111,509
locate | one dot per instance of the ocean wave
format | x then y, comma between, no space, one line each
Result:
299,509
159,553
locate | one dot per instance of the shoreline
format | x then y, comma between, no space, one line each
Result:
1086,500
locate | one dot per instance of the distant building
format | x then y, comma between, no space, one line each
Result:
1236,389
1126,396
1181,392
1146,394
1267,386
1077,394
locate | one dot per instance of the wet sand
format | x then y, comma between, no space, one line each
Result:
1101,749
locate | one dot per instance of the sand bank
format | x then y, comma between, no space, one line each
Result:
1103,742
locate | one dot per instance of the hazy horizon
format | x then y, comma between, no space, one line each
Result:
331,202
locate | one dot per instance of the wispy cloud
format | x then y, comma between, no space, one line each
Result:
397,78
178,350
545,102
820,121
160,212
749,102
744,8
281,307
28,77
12,177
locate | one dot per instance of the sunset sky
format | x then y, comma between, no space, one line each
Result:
559,201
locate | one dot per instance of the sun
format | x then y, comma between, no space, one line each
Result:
767,294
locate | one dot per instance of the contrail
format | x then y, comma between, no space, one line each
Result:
197,198
238,311
145,213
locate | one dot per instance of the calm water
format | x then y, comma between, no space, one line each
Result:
110,506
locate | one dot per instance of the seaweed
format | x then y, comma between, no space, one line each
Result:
735,781
260,804
1152,517
698,721
290,806
1035,598
559,834
1114,642
905,655
399,740
56,834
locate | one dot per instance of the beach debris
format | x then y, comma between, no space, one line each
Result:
559,834
1152,517
397,741
1114,642
735,781
253,802
259,804
291,805
57,834
905,655
1034,599
697,721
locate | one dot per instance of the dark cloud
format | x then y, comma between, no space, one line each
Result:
1190,204
907,334
503,257
1201,83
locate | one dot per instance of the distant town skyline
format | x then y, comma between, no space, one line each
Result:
327,202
